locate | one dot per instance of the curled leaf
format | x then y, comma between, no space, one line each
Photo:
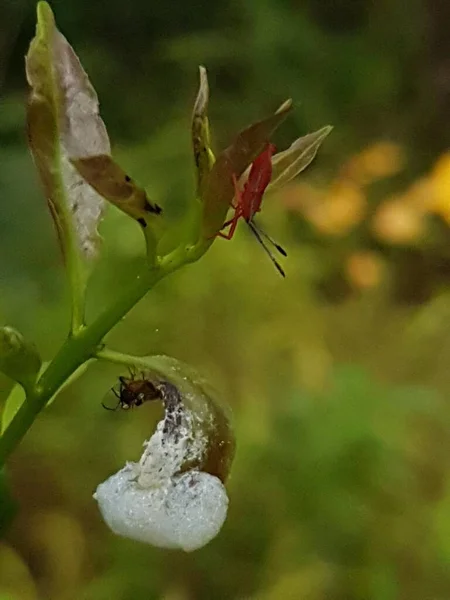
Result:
174,496
63,121
218,191
288,164
203,155
19,359
183,390
112,183
209,417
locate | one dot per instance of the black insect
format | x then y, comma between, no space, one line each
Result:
134,391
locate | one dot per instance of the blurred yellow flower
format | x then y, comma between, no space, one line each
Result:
334,212
301,197
398,221
364,269
440,186
382,159
340,210
420,195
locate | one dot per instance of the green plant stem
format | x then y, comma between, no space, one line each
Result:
77,292
75,351
85,344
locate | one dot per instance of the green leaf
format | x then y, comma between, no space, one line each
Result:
288,164
19,359
8,506
234,160
203,155
63,122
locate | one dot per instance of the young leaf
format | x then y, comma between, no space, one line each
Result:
63,122
218,191
203,155
288,164
19,359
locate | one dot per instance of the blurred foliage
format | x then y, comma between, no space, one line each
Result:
338,376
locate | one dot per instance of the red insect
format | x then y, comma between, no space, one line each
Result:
248,202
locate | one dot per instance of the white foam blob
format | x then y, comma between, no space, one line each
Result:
151,501
186,513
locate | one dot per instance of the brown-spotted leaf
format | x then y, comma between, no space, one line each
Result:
203,155
234,160
111,182
288,164
63,121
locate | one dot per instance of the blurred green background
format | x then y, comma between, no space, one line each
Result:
338,376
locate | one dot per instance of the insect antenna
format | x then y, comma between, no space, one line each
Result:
266,249
280,249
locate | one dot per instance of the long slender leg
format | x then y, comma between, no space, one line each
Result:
237,212
117,395
233,224
227,223
109,407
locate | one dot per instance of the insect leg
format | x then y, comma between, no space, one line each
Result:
233,224
110,408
